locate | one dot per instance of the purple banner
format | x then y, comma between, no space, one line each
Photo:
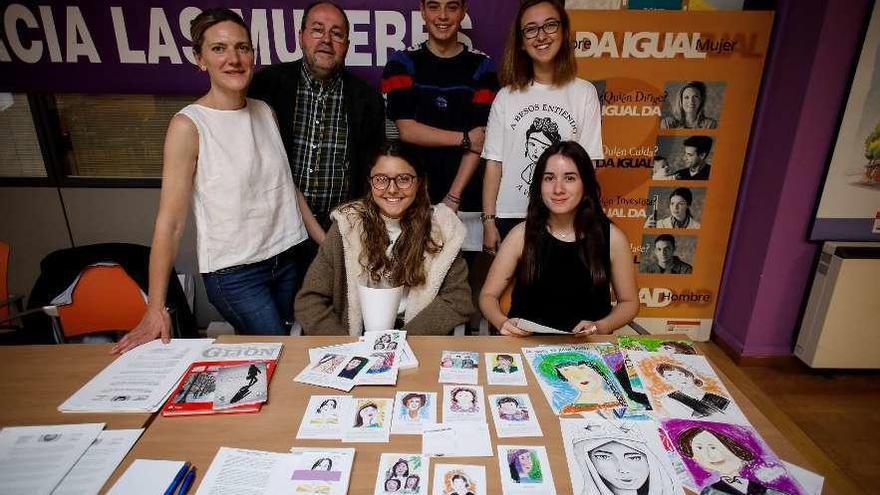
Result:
144,47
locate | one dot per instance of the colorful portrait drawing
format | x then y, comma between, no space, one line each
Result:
326,413
464,399
683,388
460,360
525,467
404,476
509,409
384,362
413,407
369,415
576,382
617,459
353,367
540,135
457,482
504,363
626,376
328,362
724,458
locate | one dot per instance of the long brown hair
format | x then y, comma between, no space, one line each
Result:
589,219
516,68
406,264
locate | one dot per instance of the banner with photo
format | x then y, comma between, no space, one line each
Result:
678,93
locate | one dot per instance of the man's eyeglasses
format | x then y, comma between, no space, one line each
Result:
336,35
549,27
382,181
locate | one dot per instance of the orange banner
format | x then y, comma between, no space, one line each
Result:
678,91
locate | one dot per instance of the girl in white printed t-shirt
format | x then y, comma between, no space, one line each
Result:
542,103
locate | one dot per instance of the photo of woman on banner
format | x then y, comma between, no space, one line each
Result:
224,155
662,256
542,103
682,210
688,108
567,256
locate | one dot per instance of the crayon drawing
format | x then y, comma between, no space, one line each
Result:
575,379
685,387
656,344
723,458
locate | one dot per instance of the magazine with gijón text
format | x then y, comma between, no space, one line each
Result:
227,378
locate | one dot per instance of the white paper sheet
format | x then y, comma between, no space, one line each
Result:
459,367
459,479
367,419
533,327
402,473
94,468
147,477
322,417
525,470
457,440
320,471
463,403
139,380
413,411
34,459
505,369
514,416
315,353
246,472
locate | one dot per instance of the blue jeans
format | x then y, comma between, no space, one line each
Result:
257,298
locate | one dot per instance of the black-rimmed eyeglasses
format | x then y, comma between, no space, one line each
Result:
382,181
549,27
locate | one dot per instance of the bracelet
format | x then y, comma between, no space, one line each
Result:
487,216
453,198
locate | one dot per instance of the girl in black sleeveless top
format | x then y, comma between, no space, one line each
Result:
565,258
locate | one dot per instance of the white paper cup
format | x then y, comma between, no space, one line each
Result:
379,307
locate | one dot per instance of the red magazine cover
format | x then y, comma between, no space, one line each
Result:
233,379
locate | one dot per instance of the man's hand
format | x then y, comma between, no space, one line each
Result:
509,328
155,323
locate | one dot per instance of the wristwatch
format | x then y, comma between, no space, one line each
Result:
487,216
465,141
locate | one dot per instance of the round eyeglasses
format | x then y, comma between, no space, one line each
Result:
382,181
336,35
549,27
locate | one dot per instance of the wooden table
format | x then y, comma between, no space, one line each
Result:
35,380
197,439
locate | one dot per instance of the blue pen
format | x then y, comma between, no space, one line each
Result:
190,476
177,478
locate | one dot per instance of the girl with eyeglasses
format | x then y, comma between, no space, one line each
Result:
391,237
542,103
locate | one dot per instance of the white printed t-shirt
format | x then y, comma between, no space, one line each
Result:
522,124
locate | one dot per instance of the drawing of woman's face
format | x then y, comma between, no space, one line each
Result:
621,467
464,398
508,407
324,464
327,406
368,414
414,404
525,461
712,455
536,144
678,378
412,482
459,483
583,378
401,468
354,363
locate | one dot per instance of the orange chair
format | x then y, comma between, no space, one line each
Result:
7,301
105,299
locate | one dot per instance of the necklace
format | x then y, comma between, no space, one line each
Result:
560,234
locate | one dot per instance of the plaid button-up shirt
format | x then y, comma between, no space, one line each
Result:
319,158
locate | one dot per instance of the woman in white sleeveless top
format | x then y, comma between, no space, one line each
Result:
224,154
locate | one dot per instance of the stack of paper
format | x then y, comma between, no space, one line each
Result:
139,380
60,459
